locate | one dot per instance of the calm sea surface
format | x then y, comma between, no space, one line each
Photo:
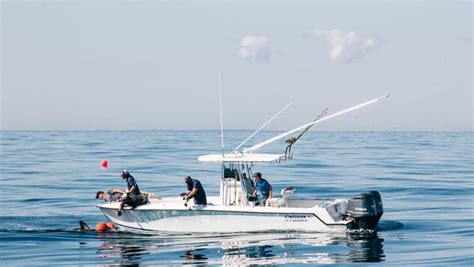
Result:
48,181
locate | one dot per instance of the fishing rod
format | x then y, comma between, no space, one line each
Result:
220,108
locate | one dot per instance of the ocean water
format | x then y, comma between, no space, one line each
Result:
49,179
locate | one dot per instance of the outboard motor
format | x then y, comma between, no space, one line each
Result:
366,210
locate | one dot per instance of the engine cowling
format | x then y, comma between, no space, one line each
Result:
365,209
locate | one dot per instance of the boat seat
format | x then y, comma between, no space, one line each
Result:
231,173
286,193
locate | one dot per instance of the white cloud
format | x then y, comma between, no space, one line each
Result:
346,46
255,48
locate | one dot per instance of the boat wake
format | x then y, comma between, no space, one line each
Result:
50,225
387,225
203,248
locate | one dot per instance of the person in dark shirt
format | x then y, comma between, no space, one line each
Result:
196,191
263,187
131,194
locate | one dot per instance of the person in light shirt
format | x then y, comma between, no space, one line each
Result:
111,195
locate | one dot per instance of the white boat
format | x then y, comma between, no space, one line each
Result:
234,211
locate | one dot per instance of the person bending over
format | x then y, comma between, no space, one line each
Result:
196,191
110,195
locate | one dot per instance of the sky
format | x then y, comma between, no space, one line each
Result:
136,65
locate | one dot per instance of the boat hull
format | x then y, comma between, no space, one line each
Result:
222,219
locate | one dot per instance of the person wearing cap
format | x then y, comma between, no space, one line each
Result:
110,195
131,194
131,184
263,186
195,190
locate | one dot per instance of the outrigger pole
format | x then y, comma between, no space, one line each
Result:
261,127
292,140
257,146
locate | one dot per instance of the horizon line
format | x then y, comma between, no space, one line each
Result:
203,130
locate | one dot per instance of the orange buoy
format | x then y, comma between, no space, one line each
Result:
101,227
104,164
111,226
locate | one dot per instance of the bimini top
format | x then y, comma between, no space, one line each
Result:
241,157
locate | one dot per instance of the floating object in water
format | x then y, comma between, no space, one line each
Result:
101,227
111,226
104,164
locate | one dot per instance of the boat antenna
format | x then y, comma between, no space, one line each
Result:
220,108
261,127
257,146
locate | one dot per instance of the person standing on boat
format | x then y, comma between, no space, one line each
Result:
196,191
263,186
131,194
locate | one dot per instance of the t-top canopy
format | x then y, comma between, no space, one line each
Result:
241,157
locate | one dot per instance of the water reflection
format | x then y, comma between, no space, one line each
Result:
127,249
194,255
365,248
232,249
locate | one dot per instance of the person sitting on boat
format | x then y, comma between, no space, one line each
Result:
131,194
110,195
263,186
196,191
